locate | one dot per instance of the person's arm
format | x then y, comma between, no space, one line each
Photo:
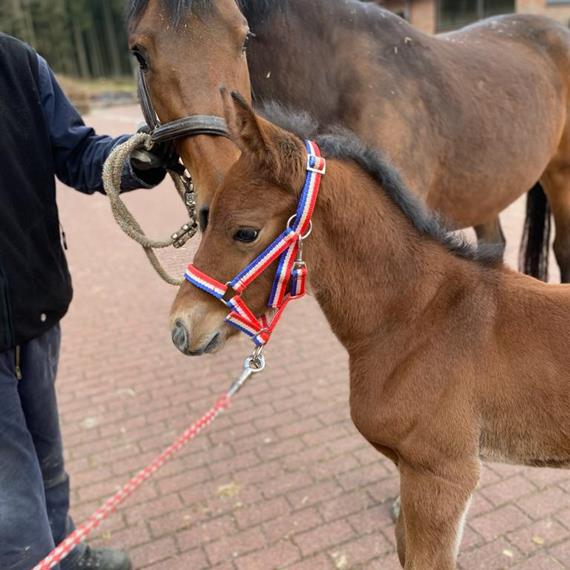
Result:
78,152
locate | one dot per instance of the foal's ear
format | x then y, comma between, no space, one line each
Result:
280,152
243,124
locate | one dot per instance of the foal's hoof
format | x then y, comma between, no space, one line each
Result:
395,509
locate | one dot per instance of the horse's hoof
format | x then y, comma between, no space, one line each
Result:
395,509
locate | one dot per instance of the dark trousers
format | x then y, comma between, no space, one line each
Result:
34,487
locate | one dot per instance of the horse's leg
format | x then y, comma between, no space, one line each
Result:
435,504
491,233
556,183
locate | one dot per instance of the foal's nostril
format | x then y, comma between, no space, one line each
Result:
213,344
180,336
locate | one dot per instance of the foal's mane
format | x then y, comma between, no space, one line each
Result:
342,144
253,10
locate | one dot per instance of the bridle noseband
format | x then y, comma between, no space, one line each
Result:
291,275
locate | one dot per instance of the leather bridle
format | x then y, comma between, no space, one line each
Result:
189,126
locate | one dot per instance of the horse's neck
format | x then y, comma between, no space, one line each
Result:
371,271
299,55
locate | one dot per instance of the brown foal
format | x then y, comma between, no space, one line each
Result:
453,357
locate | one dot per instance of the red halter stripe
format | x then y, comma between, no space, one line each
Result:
291,272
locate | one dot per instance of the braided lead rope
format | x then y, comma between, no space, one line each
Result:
112,175
103,512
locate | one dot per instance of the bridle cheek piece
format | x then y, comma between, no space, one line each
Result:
190,126
290,279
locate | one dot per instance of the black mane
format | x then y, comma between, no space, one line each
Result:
253,10
343,144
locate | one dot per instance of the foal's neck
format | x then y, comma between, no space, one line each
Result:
313,55
372,272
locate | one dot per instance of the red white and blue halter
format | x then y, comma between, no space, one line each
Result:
291,276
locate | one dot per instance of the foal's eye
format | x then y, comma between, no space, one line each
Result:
248,37
246,235
141,60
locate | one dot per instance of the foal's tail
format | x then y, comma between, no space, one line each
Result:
535,244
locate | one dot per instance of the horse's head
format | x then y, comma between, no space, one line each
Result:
249,210
187,50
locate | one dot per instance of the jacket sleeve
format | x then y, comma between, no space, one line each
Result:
78,152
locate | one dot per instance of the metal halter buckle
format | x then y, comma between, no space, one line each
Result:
317,160
309,231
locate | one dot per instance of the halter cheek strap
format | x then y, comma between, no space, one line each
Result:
291,275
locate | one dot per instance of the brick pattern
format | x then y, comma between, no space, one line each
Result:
281,481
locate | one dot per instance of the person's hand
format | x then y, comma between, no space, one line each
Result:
162,155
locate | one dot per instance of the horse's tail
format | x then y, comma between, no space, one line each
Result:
535,244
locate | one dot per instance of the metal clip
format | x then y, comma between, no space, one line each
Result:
253,364
185,233
320,164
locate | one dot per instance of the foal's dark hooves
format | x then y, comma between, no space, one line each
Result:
395,509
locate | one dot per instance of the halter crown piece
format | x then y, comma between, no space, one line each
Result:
291,277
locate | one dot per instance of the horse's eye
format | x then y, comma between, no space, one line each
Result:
140,59
246,235
248,37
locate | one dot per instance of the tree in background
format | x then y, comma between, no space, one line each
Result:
80,38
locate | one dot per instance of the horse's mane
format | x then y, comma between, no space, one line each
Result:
343,144
253,10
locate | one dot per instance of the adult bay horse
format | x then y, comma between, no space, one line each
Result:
453,359
472,119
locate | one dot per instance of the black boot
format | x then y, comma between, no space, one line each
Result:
103,559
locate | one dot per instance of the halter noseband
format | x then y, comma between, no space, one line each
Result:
189,126
290,279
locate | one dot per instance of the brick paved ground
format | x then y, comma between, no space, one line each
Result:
283,480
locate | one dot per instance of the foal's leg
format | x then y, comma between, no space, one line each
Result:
556,183
434,505
491,233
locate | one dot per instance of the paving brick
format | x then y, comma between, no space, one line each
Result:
275,556
202,532
325,536
288,525
195,560
496,555
362,550
508,490
544,503
541,534
258,513
499,522
153,551
228,547
562,553
540,562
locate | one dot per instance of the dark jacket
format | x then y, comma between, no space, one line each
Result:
42,135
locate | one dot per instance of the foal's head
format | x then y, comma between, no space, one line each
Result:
187,50
250,209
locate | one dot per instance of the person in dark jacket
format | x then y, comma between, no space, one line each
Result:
42,136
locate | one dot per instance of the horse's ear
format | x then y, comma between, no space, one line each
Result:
278,151
243,124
